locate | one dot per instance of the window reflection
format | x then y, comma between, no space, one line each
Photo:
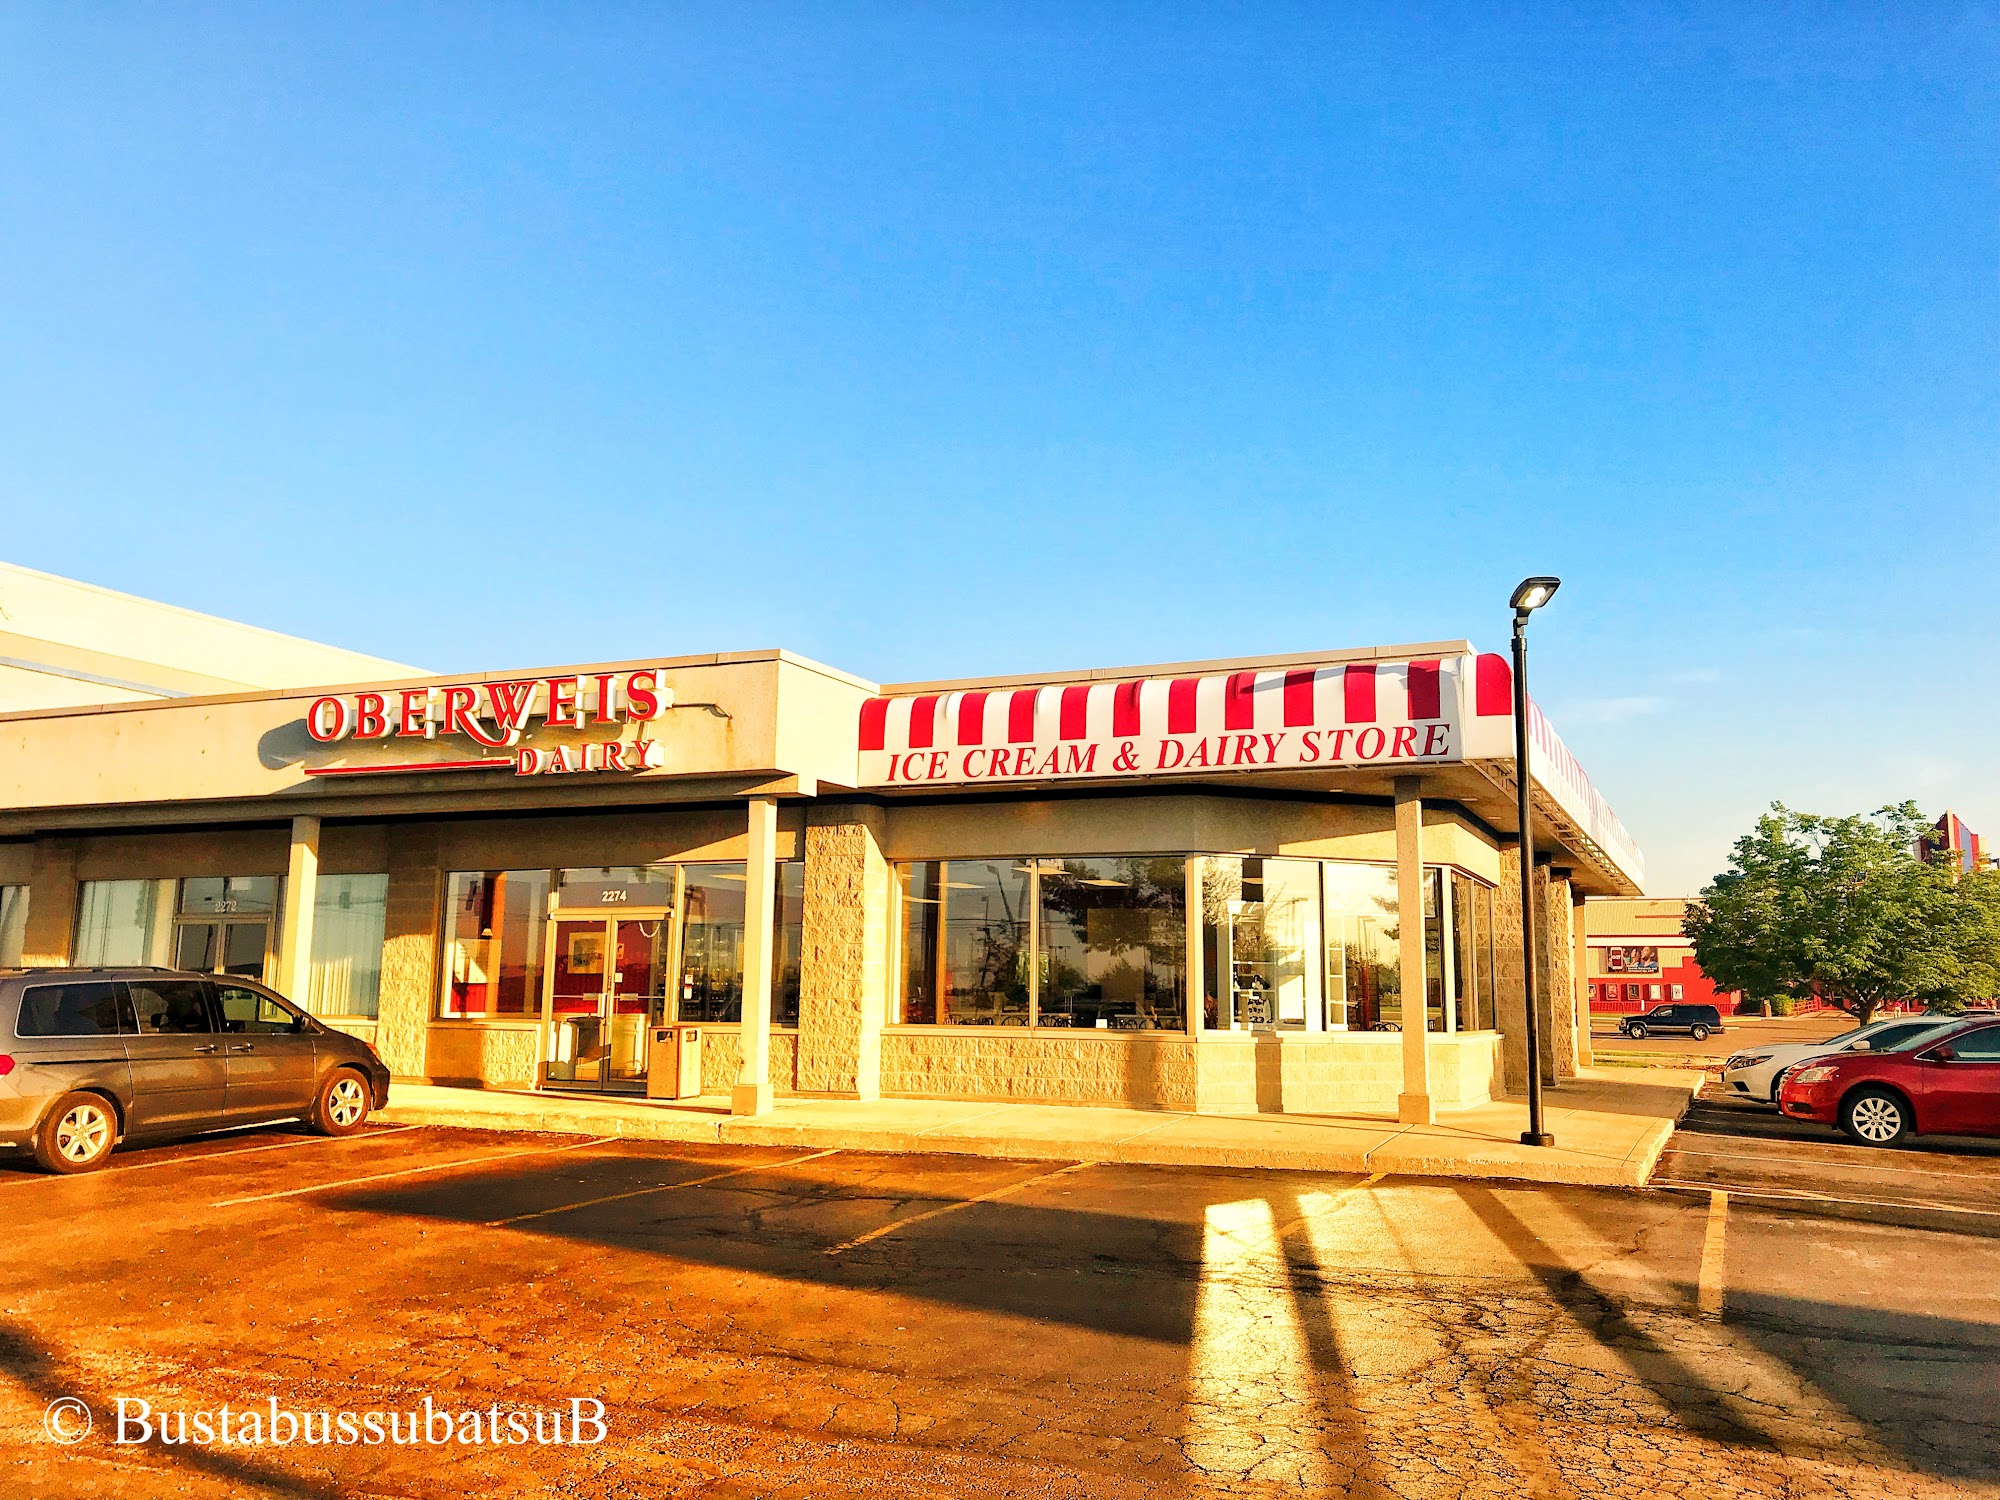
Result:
1261,943
1363,955
1113,952
965,943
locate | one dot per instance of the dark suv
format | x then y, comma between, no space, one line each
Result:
91,1057
1697,1021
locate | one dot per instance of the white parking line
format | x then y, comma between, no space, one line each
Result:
181,1161
466,1161
1806,1161
662,1187
952,1208
1776,1195
1714,1251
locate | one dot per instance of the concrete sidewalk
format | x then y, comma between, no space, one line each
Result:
1609,1129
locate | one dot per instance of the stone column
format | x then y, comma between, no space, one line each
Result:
1560,987
51,926
409,950
752,1095
844,984
1510,1013
1413,1104
301,889
1586,1053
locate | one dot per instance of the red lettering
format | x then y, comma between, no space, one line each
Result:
614,756
1437,739
527,762
369,721
606,711
1180,754
461,716
1271,743
1339,742
561,713
1082,760
511,704
413,722
1200,756
641,701
320,727
1024,760
1361,743
935,770
969,766
1309,743
1405,742
1246,749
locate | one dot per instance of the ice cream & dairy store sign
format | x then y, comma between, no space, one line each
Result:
1353,714
490,720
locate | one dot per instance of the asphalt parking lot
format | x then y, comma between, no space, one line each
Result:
761,1322
1748,1148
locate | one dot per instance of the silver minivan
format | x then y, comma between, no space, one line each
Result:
93,1057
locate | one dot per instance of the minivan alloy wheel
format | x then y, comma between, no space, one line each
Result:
83,1132
346,1101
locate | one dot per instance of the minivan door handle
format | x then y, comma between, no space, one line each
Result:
209,1048
243,1047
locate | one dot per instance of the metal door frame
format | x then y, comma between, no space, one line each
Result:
606,920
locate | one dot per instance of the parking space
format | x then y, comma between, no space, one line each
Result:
1749,1149
763,1321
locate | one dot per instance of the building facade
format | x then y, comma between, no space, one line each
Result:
1636,957
1219,886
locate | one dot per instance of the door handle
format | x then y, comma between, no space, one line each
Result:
209,1048
244,1047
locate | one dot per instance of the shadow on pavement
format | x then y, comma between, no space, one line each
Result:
1036,1262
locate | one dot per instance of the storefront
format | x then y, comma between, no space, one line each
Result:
1176,887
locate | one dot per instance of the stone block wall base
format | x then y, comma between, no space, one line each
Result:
1415,1109
750,1099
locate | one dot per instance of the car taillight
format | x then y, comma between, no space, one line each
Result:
6,1065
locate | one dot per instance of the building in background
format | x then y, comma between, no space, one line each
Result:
1636,956
66,644
1957,845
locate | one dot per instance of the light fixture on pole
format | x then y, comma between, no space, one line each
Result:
1529,596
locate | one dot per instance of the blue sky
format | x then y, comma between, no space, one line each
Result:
943,340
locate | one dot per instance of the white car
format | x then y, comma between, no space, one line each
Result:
1756,1072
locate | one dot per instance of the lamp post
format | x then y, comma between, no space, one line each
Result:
1529,596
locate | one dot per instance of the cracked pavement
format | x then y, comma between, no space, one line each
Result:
1105,1332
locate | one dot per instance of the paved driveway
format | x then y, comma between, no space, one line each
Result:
767,1322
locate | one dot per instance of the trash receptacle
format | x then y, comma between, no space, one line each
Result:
673,1062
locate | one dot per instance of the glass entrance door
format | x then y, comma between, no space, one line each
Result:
223,947
607,986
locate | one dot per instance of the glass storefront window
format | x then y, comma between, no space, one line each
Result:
1112,951
616,885
712,944
788,950
1364,963
217,895
1261,942
493,939
349,915
965,943
1471,966
13,923
121,922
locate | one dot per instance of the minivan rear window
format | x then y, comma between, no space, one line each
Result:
90,1008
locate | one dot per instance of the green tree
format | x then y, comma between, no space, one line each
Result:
1843,908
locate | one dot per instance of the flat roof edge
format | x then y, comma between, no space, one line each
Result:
1417,651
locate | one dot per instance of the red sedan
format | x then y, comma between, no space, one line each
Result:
1949,1085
